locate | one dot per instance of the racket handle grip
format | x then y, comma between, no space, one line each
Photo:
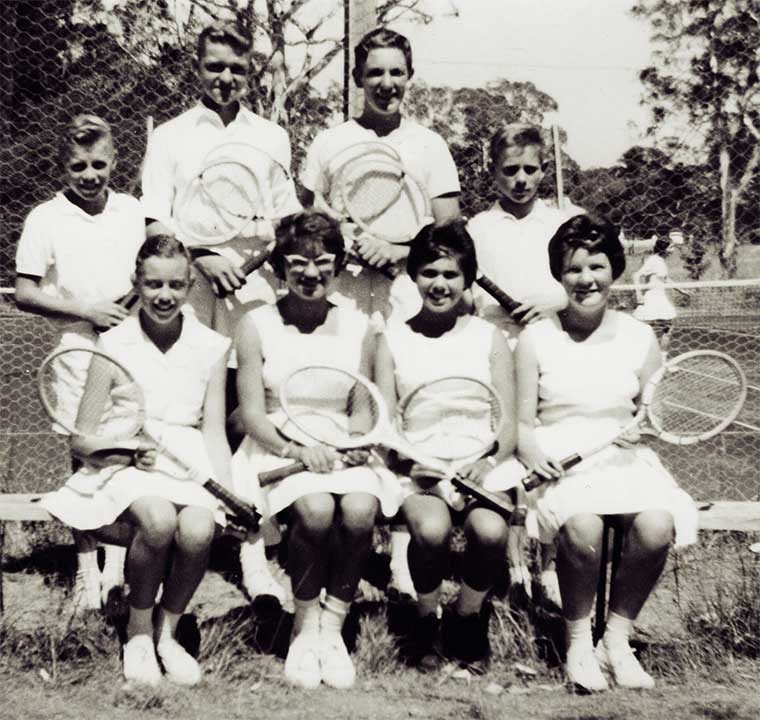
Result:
491,500
245,513
256,260
273,476
509,304
535,480
129,300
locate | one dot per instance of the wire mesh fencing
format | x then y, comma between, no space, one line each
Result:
130,61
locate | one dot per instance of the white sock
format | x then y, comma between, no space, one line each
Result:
334,611
115,555
469,601
253,553
617,631
427,603
399,545
307,616
140,622
87,561
167,623
578,632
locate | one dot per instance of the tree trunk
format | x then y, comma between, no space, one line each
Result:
729,200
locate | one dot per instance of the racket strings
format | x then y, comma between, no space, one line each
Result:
696,396
451,418
330,405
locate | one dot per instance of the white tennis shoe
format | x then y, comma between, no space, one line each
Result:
623,665
180,667
336,665
302,667
582,668
139,661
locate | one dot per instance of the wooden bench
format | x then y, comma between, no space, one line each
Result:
719,515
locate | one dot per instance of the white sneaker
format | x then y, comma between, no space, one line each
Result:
367,592
582,669
180,667
86,592
302,667
622,663
140,664
337,667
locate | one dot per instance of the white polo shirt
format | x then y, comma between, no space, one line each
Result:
76,255
426,156
514,254
175,155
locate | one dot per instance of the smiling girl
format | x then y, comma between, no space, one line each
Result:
579,376
442,340
180,366
331,511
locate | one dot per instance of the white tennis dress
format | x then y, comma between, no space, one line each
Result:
586,390
337,342
464,351
174,384
656,304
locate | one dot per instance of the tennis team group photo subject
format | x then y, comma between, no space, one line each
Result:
285,361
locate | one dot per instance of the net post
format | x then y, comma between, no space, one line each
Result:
558,166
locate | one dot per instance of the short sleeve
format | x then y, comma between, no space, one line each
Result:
313,175
443,177
34,253
158,183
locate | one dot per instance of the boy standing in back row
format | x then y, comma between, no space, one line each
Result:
174,158
511,240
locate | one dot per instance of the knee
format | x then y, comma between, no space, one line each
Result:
314,514
158,524
196,529
652,531
486,529
580,538
358,513
430,532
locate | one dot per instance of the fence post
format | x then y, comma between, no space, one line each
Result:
359,17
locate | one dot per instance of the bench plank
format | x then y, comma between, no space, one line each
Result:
22,506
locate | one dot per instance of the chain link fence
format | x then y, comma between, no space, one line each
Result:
130,61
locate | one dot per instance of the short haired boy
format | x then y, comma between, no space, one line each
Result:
511,237
175,155
382,68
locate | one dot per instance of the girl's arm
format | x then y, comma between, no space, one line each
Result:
213,423
29,296
251,394
503,380
528,449
385,373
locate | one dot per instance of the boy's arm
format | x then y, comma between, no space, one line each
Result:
29,296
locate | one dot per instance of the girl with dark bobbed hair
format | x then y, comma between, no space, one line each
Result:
579,375
444,339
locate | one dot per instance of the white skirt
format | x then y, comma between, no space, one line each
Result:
250,459
93,498
615,481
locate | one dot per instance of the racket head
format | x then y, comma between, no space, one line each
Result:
236,185
694,396
343,162
332,406
384,200
88,393
452,419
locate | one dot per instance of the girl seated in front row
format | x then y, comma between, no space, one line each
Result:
180,366
442,340
332,512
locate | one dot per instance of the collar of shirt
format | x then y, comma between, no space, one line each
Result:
539,207
66,207
188,343
205,114
397,134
